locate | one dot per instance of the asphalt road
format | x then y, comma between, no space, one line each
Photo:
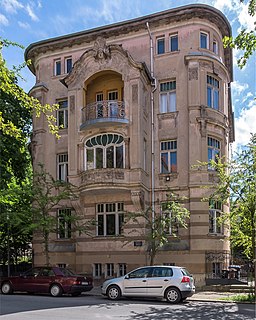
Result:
43,307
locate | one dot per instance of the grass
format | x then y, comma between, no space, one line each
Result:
241,298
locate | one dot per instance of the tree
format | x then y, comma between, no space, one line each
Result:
9,86
236,186
157,227
49,194
245,40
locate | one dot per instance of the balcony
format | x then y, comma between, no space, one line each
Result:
103,112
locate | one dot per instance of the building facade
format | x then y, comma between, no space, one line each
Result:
140,103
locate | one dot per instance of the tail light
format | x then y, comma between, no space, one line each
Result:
185,279
77,282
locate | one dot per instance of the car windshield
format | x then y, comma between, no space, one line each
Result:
67,272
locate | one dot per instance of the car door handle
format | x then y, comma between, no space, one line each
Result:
166,280
144,280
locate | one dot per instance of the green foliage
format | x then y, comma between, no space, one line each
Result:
9,86
241,298
236,186
157,225
246,40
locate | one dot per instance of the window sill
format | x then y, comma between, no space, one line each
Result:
166,54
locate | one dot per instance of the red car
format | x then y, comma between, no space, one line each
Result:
53,280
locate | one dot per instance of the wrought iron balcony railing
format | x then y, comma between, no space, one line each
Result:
100,110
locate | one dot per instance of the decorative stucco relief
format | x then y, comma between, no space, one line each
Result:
193,74
138,200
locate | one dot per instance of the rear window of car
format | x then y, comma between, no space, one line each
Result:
185,272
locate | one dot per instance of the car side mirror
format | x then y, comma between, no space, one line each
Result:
127,276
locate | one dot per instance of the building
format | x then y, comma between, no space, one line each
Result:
141,102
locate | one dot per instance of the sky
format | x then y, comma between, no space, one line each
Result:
27,21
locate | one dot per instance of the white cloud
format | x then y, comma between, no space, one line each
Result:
3,20
245,125
31,13
23,25
11,6
238,88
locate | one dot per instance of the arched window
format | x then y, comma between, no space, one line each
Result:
104,151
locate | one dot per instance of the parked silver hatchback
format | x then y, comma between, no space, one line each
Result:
169,282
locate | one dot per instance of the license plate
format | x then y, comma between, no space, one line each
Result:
84,283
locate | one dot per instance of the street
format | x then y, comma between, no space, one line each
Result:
88,307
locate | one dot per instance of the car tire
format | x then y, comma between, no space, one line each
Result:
114,293
173,295
6,288
56,290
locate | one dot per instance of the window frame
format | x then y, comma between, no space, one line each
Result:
215,46
204,33
67,228
98,153
215,212
62,167
122,269
109,270
160,40
57,67
174,36
170,94
169,151
172,229
213,150
68,67
213,92
64,110
97,270
103,210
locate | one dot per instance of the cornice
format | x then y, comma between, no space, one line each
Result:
183,13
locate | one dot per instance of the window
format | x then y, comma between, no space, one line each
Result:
100,108
213,151
140,273
213,86
64,223
160,45
204,40
68,64
168,96
169,222
57,67
121,269
110,270
174,42
215,46
216,269
112,103
62,114
97,270
168,156
104,151
110,218
63,167
215,225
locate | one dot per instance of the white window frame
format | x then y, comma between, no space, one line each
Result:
93,164
66,224
66,64
122,269
167,99
215,46
214,215
164,148
56,63
213,150
62,166
109,270
213,92
174,35
204,33
103,210
97,270
158,39
64,111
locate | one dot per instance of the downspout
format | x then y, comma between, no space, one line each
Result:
153,88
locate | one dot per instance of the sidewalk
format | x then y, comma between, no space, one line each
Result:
198,296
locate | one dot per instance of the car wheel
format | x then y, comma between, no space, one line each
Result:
6,288
56,290
114,293
173,295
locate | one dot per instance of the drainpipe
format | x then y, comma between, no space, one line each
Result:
153,85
